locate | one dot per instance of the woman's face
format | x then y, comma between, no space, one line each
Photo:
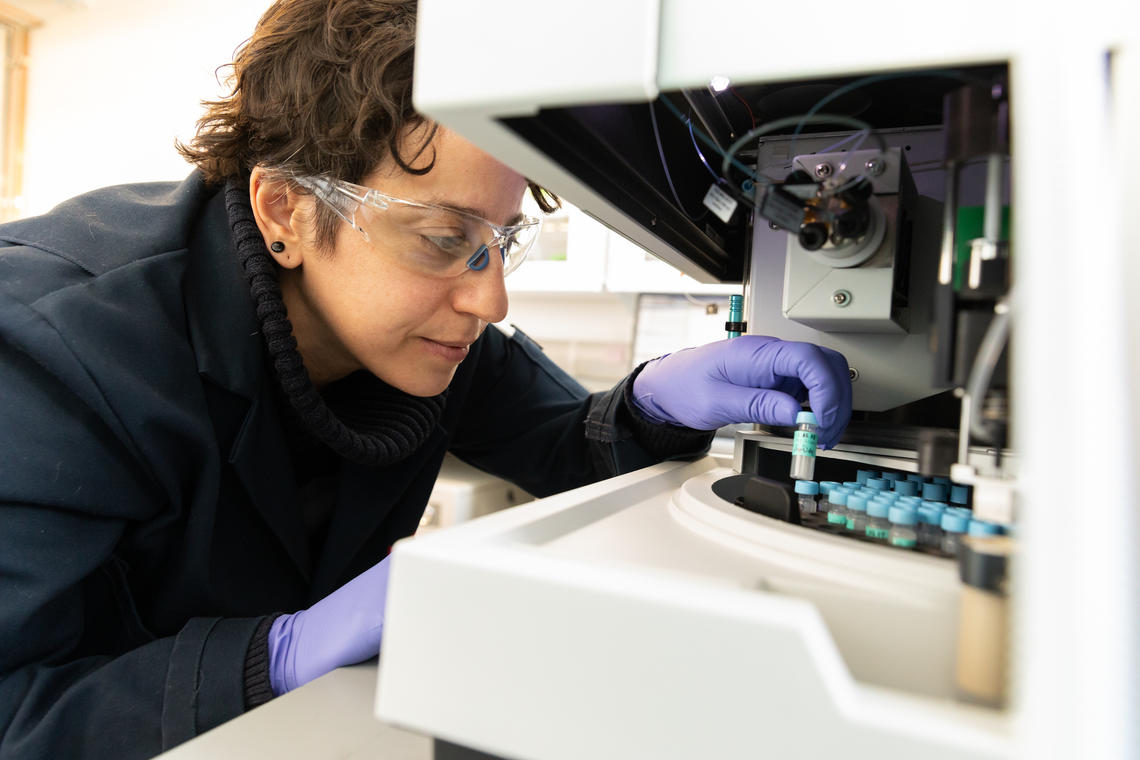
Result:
362,307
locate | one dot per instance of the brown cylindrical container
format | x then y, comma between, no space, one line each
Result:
982,668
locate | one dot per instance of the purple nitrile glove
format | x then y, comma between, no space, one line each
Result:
342,629
752,378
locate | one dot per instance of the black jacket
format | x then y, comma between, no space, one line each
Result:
149,511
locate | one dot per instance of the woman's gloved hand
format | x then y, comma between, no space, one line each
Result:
752,378
342,629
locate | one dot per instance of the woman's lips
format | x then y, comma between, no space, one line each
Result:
451,351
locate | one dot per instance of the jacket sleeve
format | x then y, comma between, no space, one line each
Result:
80,675
527,420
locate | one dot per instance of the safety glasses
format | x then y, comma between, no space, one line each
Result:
435,240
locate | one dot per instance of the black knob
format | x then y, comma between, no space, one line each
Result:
813,235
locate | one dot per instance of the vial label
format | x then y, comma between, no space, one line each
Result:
877,532
803,443
906,543
835,517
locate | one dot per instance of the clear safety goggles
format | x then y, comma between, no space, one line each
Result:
435,240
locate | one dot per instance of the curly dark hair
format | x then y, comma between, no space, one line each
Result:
323,87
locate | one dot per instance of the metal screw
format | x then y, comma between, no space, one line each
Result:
876,166
823,170
853,373
841,298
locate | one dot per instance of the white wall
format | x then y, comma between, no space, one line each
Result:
114,82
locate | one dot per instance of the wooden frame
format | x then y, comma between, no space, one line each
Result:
13,110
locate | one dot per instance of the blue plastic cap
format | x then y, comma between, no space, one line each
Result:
906,487
825,486
942,480
915,477
854,485
953,523
967,513
892,476
807,417
864,475
930,515
959,494
912,501
903,515
839,496
983,528
878,484
878,508
857,501
934,492
809,487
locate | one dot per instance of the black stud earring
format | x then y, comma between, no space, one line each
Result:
277,246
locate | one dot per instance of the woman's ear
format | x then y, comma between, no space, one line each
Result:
276,210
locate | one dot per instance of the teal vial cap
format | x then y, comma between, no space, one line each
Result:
892,476
878,484
959,494
807,417
953,522
930,515
942,480
915,477
858,502
983,528
862,476
808,487
839,496
825,486
934,492
906,487
878,508
903,516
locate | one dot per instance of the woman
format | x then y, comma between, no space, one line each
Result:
225,399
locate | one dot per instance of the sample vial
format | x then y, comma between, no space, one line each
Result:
857,513
953,526
837,514
960,495
862,475
803,446
735,315
929,525
825,489
807,490
902,532
878,527
906,488
892,477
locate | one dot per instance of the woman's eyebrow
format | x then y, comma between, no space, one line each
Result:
519,217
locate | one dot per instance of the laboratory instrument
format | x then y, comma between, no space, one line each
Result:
871,187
